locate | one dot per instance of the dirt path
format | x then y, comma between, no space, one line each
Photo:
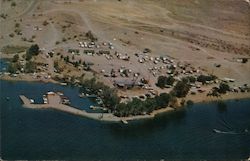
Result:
28,9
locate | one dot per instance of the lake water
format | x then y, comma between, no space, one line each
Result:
3,65
49,134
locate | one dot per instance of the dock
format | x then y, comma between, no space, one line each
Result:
25,100
68,109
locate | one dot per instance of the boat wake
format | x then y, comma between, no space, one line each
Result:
225,132
231,132
229,128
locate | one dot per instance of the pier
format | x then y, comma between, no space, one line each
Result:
57,105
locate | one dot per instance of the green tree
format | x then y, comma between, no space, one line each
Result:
28,57
11,68
32,51
163,81
223,88
150,104
30,67
162,100
204,78
182,88
170,80
191,79
110,98
121,110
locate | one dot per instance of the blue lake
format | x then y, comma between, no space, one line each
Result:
48,134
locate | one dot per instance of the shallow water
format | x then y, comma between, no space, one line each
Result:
49,134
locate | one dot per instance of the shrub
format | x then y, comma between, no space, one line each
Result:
45,23
214,92
244,60
56,65
147,50
64,39
11,35
17,25
15,58
4,16
51,54
91,36
66,59
13,4
223,88
190,103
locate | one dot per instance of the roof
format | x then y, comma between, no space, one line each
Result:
50,93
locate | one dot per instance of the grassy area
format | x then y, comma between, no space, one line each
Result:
11,49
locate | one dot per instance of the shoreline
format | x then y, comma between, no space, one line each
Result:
170,109
200,98
27,78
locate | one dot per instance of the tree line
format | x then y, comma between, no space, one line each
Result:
30,66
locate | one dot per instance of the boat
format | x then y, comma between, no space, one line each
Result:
32,101
82,95
124,121
95,107
63,84
92,107
60,93
7,98
45,99
99,101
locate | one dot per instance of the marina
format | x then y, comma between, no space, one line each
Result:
65,136
54,101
